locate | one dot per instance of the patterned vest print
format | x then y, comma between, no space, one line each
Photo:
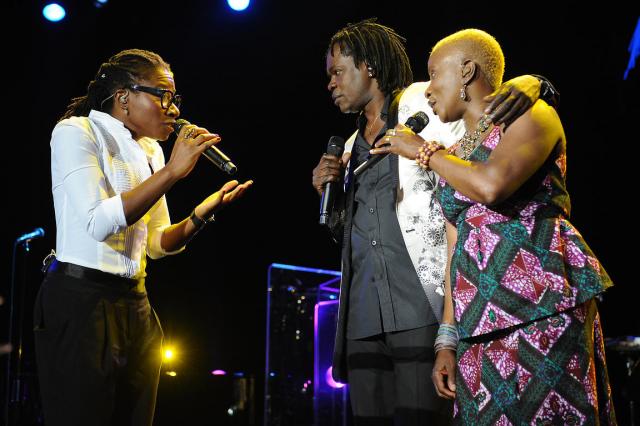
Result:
520,260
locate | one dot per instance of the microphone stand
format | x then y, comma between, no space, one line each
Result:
15,390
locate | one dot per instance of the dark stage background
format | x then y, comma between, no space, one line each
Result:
258,78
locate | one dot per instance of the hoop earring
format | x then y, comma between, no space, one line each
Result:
463,92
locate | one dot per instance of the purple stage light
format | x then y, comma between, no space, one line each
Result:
328,376
304,269
293,291
329,285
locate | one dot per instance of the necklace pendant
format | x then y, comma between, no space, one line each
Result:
470,141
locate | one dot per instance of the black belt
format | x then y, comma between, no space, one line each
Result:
90,274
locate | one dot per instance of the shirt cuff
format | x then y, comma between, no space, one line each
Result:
113,210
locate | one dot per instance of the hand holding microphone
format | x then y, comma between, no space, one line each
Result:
212,153
416,123
335,148
194,139
330,168
401,141
187,149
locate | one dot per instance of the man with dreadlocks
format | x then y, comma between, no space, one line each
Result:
97,340
391,230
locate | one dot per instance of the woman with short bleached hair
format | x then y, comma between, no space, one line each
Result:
521,340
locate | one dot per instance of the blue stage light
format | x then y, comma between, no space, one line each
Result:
634,50
238,5
304,269
54,12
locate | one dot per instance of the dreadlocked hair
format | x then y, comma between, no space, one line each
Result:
121,70
380,48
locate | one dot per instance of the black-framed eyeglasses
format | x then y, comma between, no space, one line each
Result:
167,97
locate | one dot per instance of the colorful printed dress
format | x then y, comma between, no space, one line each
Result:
531,348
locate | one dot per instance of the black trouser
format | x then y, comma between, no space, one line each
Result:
390,379
98,352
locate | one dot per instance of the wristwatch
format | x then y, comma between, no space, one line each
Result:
200,223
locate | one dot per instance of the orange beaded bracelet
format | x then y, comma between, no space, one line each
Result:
425,152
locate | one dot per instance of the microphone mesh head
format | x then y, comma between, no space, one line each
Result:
418,121
335,146
178,125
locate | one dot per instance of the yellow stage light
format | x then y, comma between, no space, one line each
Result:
168,354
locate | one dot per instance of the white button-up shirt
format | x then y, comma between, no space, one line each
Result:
94,160
419,215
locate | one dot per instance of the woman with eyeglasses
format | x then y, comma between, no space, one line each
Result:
98,341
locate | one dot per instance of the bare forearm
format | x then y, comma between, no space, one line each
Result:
448,316
137,201
177,235
469,178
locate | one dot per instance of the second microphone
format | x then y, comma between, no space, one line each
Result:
214,155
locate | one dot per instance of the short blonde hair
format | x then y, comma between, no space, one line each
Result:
482,48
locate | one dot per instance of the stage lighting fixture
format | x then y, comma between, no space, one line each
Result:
100,3
301,325
634,50
238,5
168,354
328,376
54,12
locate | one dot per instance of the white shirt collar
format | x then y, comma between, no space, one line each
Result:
111,123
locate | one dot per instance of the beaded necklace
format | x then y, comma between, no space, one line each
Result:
470,141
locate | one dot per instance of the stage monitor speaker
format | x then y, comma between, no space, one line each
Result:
302,307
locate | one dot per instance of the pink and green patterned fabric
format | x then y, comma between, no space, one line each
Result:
520,260
523,281
549,372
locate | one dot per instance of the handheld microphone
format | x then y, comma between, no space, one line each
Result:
334,147
417,122
214,155
37,233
